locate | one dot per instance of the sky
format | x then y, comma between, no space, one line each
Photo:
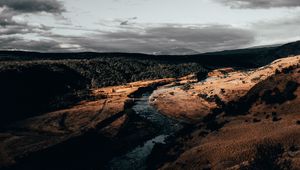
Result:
146,26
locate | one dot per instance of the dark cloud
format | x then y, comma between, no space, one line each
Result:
158,40
8,26
203,39
33,6
260,3
14,30
24,29
17,43
12,8
6,18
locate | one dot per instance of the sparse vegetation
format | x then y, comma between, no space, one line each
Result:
186,86
201,75
255,120
269,156
276,96
264,92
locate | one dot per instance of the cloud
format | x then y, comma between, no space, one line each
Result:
12,21
11,8
126,22
6,17
167,39
260,3
17,43
33,6
281,30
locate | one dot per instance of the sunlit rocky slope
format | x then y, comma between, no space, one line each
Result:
242,119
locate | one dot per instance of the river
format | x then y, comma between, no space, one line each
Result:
135,159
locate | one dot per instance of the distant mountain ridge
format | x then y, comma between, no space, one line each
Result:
243,58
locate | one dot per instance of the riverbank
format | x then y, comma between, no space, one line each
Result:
106,119
165,127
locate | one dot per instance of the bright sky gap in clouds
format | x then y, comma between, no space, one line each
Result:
146,26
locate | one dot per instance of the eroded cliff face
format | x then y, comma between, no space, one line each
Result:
241,119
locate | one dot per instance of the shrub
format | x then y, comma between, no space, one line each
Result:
268,156
186,87
201,75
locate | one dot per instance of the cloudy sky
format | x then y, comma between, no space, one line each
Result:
146,26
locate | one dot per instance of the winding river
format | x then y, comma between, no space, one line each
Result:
136,158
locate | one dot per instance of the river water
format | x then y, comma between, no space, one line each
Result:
136,158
